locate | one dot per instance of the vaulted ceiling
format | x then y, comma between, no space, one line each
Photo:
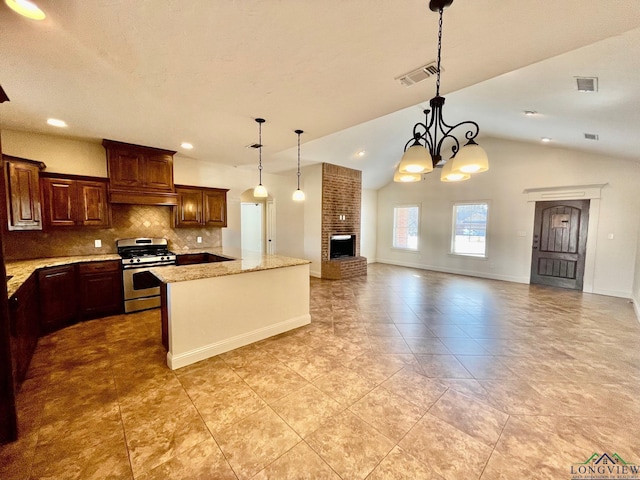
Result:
163,72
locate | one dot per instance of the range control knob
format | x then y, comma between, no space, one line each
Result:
138,260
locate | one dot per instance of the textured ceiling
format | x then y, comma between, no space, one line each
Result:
160,73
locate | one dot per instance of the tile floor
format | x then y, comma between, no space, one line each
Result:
403,374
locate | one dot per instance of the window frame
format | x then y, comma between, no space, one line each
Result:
452,251
393,228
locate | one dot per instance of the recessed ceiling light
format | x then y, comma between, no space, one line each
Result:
54,122
361,153
186,145
530,113
545,139
26,9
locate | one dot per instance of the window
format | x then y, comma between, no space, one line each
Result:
469,235
405,227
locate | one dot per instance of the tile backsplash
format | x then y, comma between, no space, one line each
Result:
128,221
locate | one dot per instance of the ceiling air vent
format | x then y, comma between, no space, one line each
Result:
591,136
587,84
418,75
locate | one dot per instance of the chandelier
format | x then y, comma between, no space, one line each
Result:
423,151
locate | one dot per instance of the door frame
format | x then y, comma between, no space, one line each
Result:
572,192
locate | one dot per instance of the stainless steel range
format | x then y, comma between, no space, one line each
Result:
139,255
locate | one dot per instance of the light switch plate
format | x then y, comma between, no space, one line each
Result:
198,239
98,243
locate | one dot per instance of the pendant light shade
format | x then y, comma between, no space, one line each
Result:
448,175
416,159
298,195
260,191
406,177
470,159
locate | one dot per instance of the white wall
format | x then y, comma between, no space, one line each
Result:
515,167
369,224
312,177
62,155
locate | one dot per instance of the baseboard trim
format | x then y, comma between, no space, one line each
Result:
504,278
202,353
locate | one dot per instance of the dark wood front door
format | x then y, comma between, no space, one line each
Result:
559,243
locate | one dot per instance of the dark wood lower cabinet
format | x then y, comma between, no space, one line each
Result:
58,299
24,313
100,289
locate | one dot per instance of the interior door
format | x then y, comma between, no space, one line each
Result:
251,225
559,243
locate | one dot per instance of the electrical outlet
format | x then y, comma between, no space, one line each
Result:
198,239
98,243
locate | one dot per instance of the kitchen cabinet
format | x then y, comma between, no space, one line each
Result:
75,201
200,207
23,317
140,175
58,298
100,289
23,193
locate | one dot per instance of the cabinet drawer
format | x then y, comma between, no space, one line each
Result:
98,267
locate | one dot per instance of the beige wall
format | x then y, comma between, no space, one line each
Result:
515,167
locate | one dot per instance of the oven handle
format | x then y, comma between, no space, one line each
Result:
133,266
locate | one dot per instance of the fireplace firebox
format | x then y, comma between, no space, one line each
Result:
342,246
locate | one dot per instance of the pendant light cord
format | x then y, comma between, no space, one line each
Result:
439,48
260,152
299,160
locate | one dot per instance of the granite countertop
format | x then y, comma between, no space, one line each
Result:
243,262
21,270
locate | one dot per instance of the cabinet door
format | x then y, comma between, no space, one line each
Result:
24,314
93,209
23,196
188,212
126,168
58,301
215,208
60,202
100,289
158,172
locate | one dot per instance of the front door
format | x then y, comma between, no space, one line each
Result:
559,243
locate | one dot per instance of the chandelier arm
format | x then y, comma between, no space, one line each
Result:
472,131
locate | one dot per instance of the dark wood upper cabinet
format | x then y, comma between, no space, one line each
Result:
93,207
23,193
200,207
140,175
75,201
188,213
215,208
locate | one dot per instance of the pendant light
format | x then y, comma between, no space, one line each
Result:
298,195
423,150
448,175
406,177
260,191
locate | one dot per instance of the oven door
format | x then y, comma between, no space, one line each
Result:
141,289
139,283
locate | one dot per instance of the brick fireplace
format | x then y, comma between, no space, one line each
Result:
341,205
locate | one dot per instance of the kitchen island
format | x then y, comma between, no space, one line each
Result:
211,308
